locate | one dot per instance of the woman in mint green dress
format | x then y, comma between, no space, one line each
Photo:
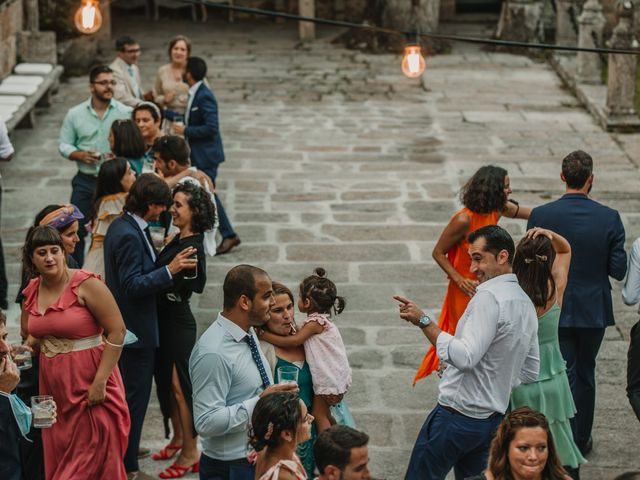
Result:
282,323
541,264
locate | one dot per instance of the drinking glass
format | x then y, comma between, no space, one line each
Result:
42,407
22,357
178,120
191,273
288,375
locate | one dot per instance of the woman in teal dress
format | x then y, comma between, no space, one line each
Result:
541,264
282,323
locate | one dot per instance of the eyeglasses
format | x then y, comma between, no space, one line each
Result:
132,50
106,83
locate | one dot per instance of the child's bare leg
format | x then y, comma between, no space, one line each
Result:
321,413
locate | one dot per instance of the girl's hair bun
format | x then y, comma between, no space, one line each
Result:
319,271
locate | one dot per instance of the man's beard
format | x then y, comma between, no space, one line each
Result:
255,319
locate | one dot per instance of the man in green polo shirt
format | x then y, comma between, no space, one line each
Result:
84,139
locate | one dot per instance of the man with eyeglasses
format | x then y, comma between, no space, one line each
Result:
84,139
128,90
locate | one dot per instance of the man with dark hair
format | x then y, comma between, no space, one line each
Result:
84,139
596,235
495,348
171,156
202,131
10,468
128,90
229,374
341,453
134,280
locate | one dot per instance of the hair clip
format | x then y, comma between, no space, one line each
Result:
267,435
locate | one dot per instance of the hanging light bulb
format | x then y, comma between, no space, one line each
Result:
413,63
88,18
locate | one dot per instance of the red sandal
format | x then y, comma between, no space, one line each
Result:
164,453
178,471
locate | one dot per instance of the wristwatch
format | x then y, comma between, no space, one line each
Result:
424,321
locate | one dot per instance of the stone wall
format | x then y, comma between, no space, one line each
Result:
11,15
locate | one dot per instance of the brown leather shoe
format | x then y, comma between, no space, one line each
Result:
227,244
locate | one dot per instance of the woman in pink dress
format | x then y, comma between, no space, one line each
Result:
69,313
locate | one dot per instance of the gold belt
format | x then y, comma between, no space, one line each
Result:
52,346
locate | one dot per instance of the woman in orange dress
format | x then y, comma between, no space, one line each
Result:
485,197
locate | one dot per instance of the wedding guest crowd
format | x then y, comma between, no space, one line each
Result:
515,344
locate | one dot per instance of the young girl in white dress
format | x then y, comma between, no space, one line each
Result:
323,345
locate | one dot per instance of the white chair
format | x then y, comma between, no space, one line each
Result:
25,89
23,80
12,100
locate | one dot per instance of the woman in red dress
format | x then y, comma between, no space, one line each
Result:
69,313
485,197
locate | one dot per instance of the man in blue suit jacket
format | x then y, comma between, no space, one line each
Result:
134,280
202,131
596,235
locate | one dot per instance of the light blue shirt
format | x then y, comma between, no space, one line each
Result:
226,387
82,129
631,290
192,93
495,348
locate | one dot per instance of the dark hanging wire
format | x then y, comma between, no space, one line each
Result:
439,36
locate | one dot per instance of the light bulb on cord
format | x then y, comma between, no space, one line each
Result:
88,18
413,64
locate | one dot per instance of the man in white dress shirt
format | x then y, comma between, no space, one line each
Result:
6,154
495,348
128,89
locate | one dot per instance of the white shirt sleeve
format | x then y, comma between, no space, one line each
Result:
478,332
6,149
531,366
631,290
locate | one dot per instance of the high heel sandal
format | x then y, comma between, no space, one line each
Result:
178,471
164,453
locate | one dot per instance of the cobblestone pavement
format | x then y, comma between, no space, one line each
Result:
335,159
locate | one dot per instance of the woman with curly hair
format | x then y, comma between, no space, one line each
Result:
280,422
193,213
485,197
523,450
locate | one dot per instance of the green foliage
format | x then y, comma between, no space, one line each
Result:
57,15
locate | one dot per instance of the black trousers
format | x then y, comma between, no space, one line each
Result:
83,186
3,272
579,347
136,367
633,370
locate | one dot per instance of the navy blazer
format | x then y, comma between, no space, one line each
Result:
203,132
10,468
134,279
596,236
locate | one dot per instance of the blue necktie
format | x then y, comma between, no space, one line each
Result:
256,358
134,82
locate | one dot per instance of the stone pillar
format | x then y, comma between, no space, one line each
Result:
307,30
34,45
566,23
621,82
520,21
591,22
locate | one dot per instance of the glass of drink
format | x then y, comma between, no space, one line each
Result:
191,273
288,375
178,120
22,357
42,407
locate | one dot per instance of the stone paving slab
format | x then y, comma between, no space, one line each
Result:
335,159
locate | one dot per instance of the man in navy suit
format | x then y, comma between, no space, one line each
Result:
596,235
134,280
202,131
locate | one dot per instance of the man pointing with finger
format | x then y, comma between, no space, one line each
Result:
495,348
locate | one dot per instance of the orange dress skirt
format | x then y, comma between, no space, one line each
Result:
455,301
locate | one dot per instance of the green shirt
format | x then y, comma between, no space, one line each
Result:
82,129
